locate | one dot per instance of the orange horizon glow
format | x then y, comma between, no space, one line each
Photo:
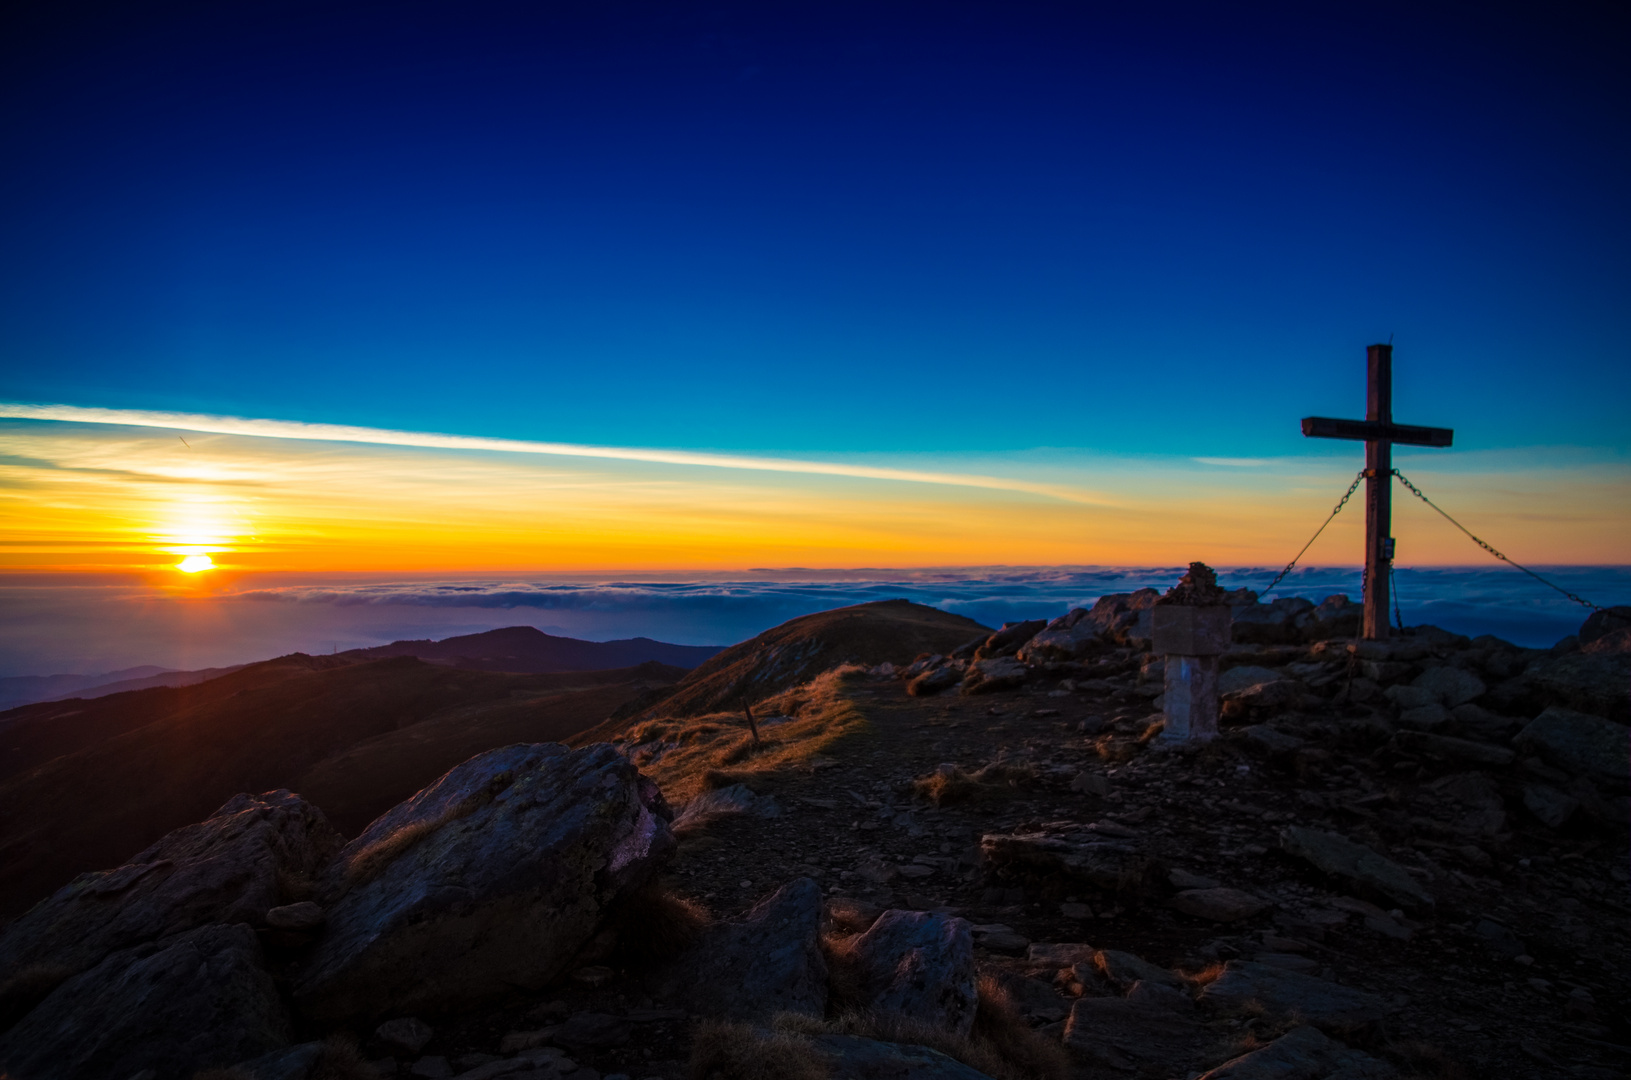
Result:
101,497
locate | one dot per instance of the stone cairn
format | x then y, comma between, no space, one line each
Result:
1191,628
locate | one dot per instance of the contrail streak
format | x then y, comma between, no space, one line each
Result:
292,429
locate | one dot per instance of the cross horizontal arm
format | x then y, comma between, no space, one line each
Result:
1323,427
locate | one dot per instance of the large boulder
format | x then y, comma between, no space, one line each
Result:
851,1057
487,881
1303,1053
1580,744
1355,863
1069,637
1124,618
1603,622
1334,617
197,1000
768,963
230,868
991,675
1450,686
1132,1036
1278,995
1274,623
1595,683
1009,639
919,965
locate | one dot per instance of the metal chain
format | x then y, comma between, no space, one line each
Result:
1334,512
1416,491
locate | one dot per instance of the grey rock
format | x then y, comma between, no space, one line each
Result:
1552,807
1183,879
1303,1053
1136,1037
1425,717
1450,685
296,1062
1267,740
769,962
593,1031
1406,697
487,881
919,965
1502,941
1274,623
1335,616
850,1057
198,1000
304,915
1246,676
991,675
1060,954
1268,697
1218,905
1161,996
1123,969
1579,744
1112,865
1593,683
406,1035
1283,995
1341,857
224,869
431,1067
1009,639
934,680
1068,637
1479,723
1449,748
1602,623
1485,810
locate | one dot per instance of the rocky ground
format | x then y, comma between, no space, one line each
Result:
1397,860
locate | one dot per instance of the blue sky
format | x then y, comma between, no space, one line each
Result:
823,228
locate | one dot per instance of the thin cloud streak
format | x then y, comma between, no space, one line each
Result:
292,429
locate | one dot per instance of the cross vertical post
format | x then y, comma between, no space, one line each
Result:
1378,491
1379,433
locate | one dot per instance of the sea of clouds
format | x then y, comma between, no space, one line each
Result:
92,629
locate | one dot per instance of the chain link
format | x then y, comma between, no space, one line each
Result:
1416,491
1353,487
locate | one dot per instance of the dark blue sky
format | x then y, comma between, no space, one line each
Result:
822,227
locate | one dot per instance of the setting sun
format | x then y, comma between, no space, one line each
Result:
192,564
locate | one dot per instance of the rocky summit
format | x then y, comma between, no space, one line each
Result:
885,842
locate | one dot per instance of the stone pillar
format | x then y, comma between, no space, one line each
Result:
1191,639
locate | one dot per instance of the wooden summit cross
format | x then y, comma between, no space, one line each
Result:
1379,433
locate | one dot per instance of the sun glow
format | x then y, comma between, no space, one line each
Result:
193,564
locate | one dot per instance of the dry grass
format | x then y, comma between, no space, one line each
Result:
697,750
342,1059
725,1051
653,925
948,785
1116,748
367,864
1205,976
27,988
1001,1043
1154,728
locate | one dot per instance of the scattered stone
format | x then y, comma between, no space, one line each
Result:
1460,751
1183,879
1060,954
1593,683
225,869
1111,865
1009,639
1269,741
1134,1036
1340,857
998,673
1074,911
1091,783
487,881
770,962
196,1000
298,1062
851,1057
1579,744
1124,969
593,1031
1502,942
1406,697
1425,717
1283,995
1218,904
406,1035
919,965
933,681
1303,1053
516,1041
1552,807
594,976
299,917
1244,677
1160,995
1451,686
431,1067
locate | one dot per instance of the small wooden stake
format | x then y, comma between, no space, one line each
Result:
748,709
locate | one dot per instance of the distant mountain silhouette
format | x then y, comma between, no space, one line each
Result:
23,689
86,783
527,649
